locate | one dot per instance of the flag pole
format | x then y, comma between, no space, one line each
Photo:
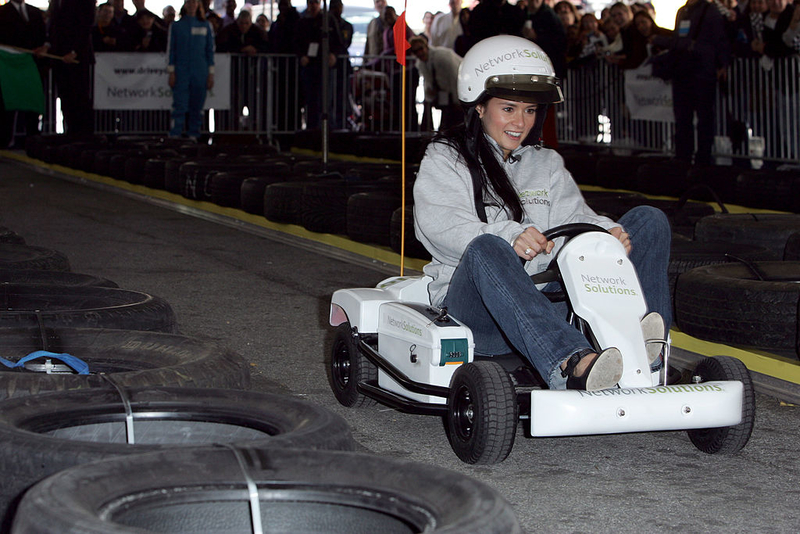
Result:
400,47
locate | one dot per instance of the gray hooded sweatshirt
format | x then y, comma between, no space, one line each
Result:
446,221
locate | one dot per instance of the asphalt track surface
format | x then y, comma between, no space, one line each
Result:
268,300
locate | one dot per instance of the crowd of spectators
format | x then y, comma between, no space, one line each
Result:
624,34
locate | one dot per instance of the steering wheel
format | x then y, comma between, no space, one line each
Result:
551,274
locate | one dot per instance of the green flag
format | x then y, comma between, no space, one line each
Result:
20,83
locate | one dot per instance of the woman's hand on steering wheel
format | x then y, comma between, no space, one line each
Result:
531,243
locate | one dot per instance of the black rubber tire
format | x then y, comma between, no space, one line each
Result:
369,217
154,172
792,250
131,358
686,255
10,237
768,189
729,439
347,367
203,489
324,203
251,194
482,413
413,249
620,172
721,179
668,178
58,278
225,188
729,304
770,230
582,167
283,202
25,257
43,434
89,307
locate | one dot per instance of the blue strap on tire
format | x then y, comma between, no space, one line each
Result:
78,365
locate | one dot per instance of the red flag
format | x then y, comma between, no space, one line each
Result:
401,44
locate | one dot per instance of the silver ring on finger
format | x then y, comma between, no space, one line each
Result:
528,251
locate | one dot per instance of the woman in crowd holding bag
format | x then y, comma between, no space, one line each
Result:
191,68
484,194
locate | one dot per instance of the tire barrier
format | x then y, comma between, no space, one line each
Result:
323,205
206,489
687,255
10,237
770,230
89,307
56,278
369,217
413,247
668,178
283,202
25,257
131,358
792,250
750,305
43,434
777,190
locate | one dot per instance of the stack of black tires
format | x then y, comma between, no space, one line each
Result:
361,201
112,421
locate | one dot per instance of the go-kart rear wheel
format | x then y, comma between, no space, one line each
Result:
348,367
729,439
482,413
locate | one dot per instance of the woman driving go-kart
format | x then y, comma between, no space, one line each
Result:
486,191
533,307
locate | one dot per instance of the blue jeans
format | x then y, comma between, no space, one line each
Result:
492,294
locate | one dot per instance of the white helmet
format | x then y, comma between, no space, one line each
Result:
508,67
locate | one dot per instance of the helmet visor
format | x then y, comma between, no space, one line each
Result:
533,88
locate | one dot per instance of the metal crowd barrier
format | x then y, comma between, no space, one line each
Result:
757,110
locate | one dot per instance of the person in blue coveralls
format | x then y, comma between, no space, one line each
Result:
191,68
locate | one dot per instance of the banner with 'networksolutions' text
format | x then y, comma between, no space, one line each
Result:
647,97
140,81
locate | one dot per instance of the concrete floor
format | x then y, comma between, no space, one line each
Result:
269,300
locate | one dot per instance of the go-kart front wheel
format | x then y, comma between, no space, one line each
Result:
729,439
482,413
348,367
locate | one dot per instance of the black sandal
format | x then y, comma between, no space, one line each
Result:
603,373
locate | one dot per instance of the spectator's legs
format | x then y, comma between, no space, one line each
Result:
683,107
74,89
311,86
197,97
180,103
704,101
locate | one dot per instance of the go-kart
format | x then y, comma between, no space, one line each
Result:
393,347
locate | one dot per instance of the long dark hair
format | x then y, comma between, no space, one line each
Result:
490,183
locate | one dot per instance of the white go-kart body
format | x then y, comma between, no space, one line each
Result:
418,350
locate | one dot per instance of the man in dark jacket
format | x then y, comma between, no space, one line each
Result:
704,52
70,34
244,37
308,47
